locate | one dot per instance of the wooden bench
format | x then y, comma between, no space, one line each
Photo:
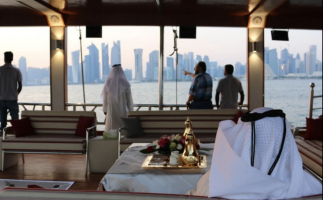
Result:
55,134
158,123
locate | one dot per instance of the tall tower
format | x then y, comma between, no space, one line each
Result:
138,64
94,64
105,61
170,68
273,61
153,66
87,69
23,69
199,58
116,53
207,62
180,67
76,66
311,60
191,61
284,61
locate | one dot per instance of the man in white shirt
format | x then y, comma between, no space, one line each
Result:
229,88
10,88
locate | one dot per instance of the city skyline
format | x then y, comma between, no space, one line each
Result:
288,64
219,43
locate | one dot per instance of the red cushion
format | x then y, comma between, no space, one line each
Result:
238,116
22,127
83,124
314,129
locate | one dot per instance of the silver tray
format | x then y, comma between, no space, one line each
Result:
162,161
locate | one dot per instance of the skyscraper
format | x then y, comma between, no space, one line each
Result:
273,61
116,53
284,61
87,69
23,69
69,74
128,73
171,70
76,66
138,64
199,58
311,60
105,61
152,69
94,64
213,66
180,67
191,61
298,64
207,62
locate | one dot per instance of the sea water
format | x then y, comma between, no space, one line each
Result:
292,96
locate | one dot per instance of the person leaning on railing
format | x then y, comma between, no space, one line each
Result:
10,77
229,88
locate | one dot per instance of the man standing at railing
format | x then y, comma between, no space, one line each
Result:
10,78
201,89
117,98
229,88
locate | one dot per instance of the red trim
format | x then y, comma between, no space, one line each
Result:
310,150
309,157
45,151
313,145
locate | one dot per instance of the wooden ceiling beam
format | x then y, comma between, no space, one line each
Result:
54,18
258,16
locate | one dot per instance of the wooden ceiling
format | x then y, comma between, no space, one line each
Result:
300,14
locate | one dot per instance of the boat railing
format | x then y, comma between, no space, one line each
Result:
94,107
312,98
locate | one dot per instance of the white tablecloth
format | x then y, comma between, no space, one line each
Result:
126,175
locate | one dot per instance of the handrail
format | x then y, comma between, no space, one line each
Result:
43,105
312,97
94,106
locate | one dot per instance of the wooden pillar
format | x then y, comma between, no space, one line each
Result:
58,68
256,68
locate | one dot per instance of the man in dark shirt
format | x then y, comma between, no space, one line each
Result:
201,89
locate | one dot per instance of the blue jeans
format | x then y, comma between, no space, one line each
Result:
201,105
13,108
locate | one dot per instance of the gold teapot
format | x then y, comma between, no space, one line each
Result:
190,155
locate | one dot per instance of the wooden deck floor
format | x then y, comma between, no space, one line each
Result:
54,168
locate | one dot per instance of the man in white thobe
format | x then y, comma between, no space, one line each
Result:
117,98
237,174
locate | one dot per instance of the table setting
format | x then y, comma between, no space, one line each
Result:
170,165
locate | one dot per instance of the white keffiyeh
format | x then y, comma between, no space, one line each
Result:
232,176
116,83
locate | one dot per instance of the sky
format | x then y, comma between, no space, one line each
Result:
224,45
